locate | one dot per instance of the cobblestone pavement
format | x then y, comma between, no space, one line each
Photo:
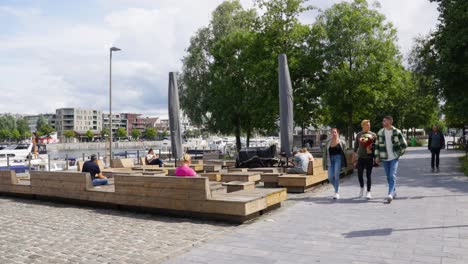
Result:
427,223
42,232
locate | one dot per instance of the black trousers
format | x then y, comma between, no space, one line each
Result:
367,164
435,153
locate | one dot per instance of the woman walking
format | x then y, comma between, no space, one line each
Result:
363,156
334,159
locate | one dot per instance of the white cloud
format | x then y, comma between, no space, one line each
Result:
52,62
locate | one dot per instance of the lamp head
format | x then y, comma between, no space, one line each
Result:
114,49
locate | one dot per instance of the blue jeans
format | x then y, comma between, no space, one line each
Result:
97,182
334,171
390,168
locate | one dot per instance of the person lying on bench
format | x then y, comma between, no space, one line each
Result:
301,163
91,166
184,170
153,159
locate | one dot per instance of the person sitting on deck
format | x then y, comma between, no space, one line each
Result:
305,151
301,163
184,169
91,166
153,159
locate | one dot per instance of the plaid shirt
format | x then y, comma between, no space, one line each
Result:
398,142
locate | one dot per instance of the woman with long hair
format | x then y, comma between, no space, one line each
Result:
334,159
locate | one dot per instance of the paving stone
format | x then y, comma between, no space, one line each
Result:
427,223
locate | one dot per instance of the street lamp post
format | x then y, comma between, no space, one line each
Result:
110,101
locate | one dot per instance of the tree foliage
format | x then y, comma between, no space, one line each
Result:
451,68
89,135
150,133
361,62
121,132
136,133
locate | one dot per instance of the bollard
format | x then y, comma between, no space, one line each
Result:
98,156
48,159
8,162
126,154
83,157
66,161
138,157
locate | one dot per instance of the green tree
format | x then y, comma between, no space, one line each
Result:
450,46
214,74
46,130
121,132
15,134
69,134
150,133
22,126
363,63
105,132
136,134
7,122
5,134
89,135
41,122
229,81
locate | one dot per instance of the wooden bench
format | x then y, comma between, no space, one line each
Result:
265,170
10,184
239,186
123,163
238,170
270,180
211,168
240,176
299,183
181,196
212,176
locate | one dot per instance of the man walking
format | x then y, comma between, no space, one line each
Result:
436,143
389,147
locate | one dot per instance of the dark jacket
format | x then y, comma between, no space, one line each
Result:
442,140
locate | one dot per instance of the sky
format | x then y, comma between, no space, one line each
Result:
55,53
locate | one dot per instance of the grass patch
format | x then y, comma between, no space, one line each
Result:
464,164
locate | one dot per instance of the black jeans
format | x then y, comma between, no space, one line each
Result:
365,163
435,153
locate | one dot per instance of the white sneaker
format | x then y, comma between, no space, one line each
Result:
389,198
368,196
361,193
337,196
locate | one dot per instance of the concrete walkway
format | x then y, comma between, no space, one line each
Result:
428,223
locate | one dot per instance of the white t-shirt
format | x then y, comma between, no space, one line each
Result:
389,144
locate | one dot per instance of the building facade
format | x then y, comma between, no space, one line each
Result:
78,120
32,121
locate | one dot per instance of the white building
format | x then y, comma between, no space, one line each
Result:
78,120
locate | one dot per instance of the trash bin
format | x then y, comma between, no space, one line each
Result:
413,142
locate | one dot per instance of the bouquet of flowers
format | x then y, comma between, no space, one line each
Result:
366,140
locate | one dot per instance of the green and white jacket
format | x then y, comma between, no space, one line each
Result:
398,141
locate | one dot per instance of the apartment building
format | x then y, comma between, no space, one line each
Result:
78,120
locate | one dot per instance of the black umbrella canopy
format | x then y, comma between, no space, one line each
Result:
174,117
286,106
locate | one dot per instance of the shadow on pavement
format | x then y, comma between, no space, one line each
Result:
389,231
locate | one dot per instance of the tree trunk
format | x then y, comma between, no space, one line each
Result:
302,135
238,135
350,128
248,137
